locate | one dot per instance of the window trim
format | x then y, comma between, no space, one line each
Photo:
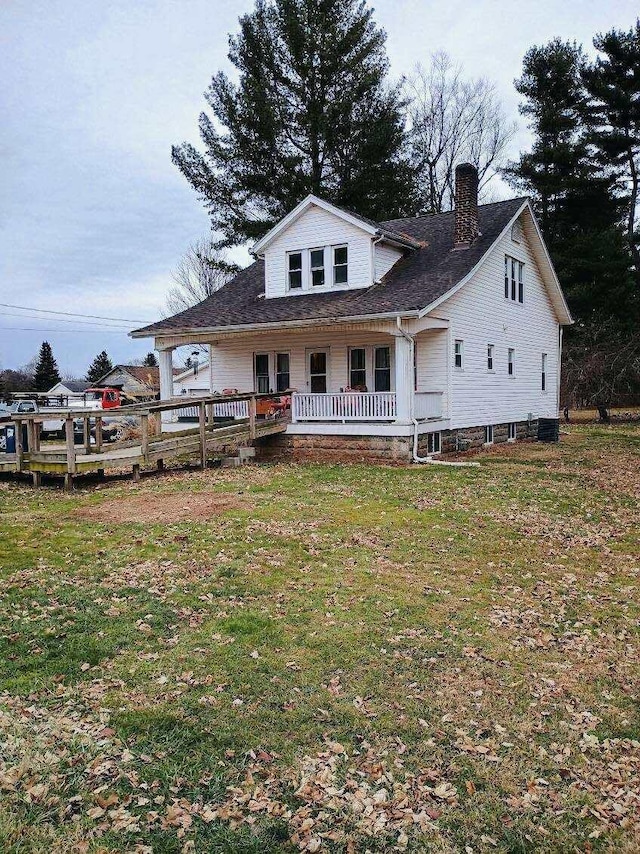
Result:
312,269
333,248
459,341
488,434
362,370
514,279
435,439
272,367
511,362
370,365
300,270
512,428
491,350
543,374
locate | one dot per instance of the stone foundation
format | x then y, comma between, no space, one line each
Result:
344,449
380,449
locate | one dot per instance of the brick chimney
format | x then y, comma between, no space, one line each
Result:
466,205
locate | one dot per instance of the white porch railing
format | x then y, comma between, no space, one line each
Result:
345,406
232,409
427,404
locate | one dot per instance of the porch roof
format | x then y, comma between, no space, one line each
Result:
418,279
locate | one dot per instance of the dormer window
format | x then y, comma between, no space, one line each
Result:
316,257
295,270
340,265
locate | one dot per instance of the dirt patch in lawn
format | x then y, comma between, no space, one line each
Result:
165,509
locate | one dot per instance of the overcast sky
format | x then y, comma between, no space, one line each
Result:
93,215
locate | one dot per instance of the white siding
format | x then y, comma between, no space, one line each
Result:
193,383
480,315
431,363
316,228
233,359
385,257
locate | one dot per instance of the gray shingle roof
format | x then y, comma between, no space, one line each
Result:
418,279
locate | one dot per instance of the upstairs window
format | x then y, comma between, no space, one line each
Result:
316,260
513,279
511,361
490,349
544,372
458,354
340,265
295,270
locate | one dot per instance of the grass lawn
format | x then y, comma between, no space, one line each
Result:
327,658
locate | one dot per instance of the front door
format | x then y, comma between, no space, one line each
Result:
317,364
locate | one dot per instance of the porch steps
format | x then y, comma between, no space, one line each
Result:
243,456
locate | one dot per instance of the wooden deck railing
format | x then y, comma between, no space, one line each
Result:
149,446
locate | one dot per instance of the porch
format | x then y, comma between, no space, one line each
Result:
357,379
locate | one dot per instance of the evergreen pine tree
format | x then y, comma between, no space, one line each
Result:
100,366
613,114
573,196
150,360
46,373
311,113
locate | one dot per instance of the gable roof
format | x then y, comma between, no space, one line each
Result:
424,276
368,225
76,386
145,374
185,373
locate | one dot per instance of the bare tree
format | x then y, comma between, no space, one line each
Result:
453,120
203,269
601,367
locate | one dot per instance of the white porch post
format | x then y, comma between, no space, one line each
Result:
404,379
166,379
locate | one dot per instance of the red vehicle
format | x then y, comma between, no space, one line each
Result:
104,398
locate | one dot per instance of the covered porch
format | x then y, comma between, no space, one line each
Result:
359,379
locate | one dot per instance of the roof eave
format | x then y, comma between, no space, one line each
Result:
276,324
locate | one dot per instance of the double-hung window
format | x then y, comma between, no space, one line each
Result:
357,369
263,378
382,369
544,372
490,349
316,266
340,265
458,353
295,270
271,371
511,362
282,371
513,279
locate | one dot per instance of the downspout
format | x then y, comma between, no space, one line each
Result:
411,339
416,458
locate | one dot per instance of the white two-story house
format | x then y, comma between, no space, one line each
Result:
399,339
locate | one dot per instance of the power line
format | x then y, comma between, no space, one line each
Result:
64,320
71,313
40,329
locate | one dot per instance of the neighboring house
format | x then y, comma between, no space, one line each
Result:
139,381
401,337
193,380
69,388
